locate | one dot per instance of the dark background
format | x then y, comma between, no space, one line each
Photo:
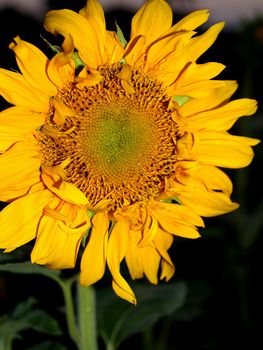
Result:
223,269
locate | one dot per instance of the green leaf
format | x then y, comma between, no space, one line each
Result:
9,329
119,320
4,258
120,35
54,48
198,293
29,268
38,320
181,100
23,308
42,322
25,317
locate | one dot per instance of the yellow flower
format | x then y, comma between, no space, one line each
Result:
111,149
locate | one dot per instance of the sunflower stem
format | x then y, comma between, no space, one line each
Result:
87,318
71,322
110,346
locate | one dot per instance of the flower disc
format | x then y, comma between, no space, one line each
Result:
119,139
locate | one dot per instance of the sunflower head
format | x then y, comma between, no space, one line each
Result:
117,144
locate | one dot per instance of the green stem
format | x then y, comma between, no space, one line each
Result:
87,318
6,343
73,332
110,346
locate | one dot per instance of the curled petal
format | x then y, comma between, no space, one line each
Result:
85,37
61,69
196,196
149,231
54,246
33,65
162,242
116,251
176,219
61,188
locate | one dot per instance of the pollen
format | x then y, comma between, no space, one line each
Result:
119,136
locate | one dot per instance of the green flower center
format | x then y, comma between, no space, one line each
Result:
118,137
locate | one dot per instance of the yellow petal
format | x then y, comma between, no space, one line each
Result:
204,202
19,220
93,260
198,89
223,117
194,75
94,14
16,123
198,188
85,37
125,73
214,179
16,90
201,43
176,219
151,261
86,79
149,231
224,150
167,270
134,51
114,48
116,251
197,72
19,170
142,260
178,211
133,258
93,11
67,45
59,235
192,21
61,188
54,247
172,66
152,20
33,65
61,111
61,69
214,99
162,242
166,45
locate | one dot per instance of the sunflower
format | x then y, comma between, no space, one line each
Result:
112,148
